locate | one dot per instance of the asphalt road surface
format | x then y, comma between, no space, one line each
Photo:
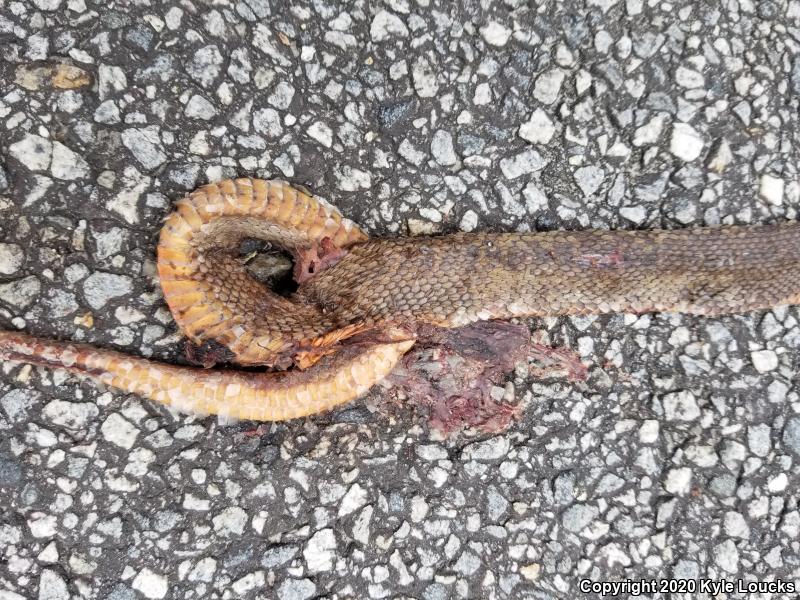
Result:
679,455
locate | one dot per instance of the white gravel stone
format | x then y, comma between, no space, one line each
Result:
778,483
589,179
72,415
469,221
495,34
204,570
150,584
764,360
759,439
355,498
424,76
49,554
268,122
604,5
410,153
247,583
320,131
145,145
578,516
119,431
648,432
205,65
649,133
548,86
296,589
686,143
11,258
726,556
771,188
101,287
386,25
110,79
107,112
17,403
320,551
689,78
483,94
281,96
350,179
736,526
721,158
52,586
678,481
48,5
42,525
634,214
230,521
524,163
431,452
702,455
492,449
539,129
108,243
467,564
199,107
33,151
21,292
67,164
442,148
681,406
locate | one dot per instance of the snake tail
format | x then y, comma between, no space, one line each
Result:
233,394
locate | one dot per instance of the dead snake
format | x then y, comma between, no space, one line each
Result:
361,300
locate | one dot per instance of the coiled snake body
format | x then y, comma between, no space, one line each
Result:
360,301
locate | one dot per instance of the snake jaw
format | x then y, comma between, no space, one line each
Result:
310,351
320,255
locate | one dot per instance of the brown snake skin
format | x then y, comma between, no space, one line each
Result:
350,323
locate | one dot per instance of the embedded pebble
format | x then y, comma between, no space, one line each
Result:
230,521
681,406
33,151
145,146
20,293
52,586
548,86
495,34
524,163
771,189
320,550
686,143
119,431
386,25
151,584
199,107
322,133
589,179
101,287
764,360
539,129
72,415
67,164
442,148
11,258
205,65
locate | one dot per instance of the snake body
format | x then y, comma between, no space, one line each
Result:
361,300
